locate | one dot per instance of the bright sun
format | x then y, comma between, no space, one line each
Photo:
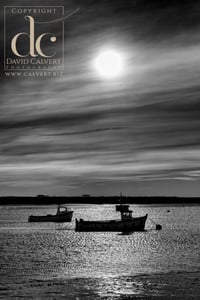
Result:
109,64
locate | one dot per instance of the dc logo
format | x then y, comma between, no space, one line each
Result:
34,42
34,37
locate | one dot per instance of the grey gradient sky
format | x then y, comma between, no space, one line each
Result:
79,133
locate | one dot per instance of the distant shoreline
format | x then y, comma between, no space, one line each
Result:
48,200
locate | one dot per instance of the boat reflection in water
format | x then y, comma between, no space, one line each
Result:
62,215
127,223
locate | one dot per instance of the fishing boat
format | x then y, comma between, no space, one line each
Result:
127,223
62,215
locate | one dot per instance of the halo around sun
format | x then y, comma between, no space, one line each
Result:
109,64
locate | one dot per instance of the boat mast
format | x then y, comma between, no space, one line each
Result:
121,198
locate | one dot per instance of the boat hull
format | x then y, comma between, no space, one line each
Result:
52,218
129,225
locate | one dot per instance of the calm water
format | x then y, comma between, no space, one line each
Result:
52,261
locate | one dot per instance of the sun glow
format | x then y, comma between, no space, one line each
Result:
109,64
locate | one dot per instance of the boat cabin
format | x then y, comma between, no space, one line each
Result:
122,207
61,210
126,215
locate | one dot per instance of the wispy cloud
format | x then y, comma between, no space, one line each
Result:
79,132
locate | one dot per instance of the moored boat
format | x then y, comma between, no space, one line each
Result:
127,223
62,215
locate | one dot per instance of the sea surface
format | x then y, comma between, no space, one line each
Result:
52,261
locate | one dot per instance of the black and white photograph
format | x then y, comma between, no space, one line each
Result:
100,149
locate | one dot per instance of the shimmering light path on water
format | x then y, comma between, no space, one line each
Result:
53,261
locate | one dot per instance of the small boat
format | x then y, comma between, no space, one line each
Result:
62,215
127,223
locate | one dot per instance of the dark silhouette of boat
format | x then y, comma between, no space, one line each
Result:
62,215
127,223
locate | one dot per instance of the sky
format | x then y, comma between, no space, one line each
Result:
80,133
